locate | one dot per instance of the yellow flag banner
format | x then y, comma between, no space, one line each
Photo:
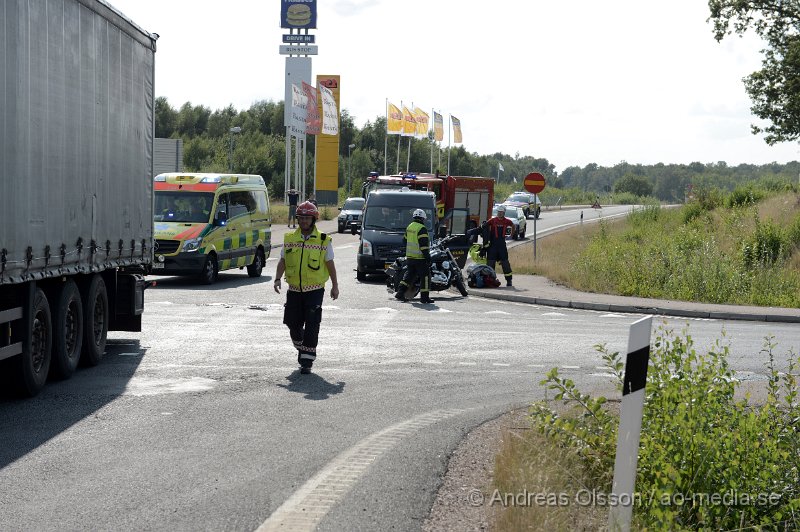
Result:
409,123
438,127
423,119
456,129
394,120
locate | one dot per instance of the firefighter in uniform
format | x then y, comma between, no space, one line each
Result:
307,259
494,238
418,258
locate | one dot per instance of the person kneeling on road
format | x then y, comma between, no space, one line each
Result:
418,255
307,259
494,240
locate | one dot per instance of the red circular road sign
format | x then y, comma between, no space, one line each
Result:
534,182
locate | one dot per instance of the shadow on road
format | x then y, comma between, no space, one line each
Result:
224,281
25,424
312,385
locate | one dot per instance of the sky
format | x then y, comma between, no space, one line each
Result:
572,81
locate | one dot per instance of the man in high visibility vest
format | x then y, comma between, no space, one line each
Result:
418,258
307,260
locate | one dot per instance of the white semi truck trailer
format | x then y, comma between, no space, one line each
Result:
76,187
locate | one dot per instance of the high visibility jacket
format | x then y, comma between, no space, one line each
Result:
417,241
305,260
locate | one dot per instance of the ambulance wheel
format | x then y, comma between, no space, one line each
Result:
95,322
255,269
35,363
67,331
361,276
210,270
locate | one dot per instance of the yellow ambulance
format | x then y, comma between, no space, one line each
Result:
206,223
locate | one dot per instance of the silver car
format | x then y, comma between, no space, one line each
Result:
517,217
350,214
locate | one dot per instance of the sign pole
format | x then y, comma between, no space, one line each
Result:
533,183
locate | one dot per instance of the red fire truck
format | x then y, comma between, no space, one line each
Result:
476,194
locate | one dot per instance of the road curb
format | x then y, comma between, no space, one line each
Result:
633,309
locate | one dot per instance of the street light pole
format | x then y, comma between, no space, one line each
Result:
349,168
235,129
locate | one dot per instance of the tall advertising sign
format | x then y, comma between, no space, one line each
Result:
299,14
327,148
298,70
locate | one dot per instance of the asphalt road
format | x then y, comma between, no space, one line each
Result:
202,422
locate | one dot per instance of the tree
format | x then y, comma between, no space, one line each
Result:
775,89
166,118
638,185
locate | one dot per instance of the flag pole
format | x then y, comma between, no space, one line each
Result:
399,136
431,141
386,136
449,125
408,155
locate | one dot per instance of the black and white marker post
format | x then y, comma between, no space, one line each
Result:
630,426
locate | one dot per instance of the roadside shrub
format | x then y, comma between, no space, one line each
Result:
766,246
743,196
626,198
699,443
647,214
691,211
793,233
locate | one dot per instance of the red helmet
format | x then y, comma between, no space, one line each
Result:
307,209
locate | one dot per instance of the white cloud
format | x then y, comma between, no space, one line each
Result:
574,82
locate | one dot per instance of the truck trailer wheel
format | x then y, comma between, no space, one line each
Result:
95,329
36,361
67,330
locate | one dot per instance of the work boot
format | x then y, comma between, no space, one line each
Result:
425,299
508,282
305,370
400,296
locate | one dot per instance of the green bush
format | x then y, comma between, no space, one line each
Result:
766,246
697,439
793,232
692,210
744,196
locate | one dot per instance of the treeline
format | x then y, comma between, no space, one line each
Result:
260,149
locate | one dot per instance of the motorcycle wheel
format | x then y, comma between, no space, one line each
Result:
462,288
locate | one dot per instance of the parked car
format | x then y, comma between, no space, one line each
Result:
517,217
350,213
529,203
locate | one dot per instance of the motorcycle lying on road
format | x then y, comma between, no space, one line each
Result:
445,271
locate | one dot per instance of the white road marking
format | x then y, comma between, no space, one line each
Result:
535,365
500,364
467,363
141,386
553,314
385,309
570,367
612,316
496,312
306,507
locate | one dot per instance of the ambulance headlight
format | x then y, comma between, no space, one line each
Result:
193,244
